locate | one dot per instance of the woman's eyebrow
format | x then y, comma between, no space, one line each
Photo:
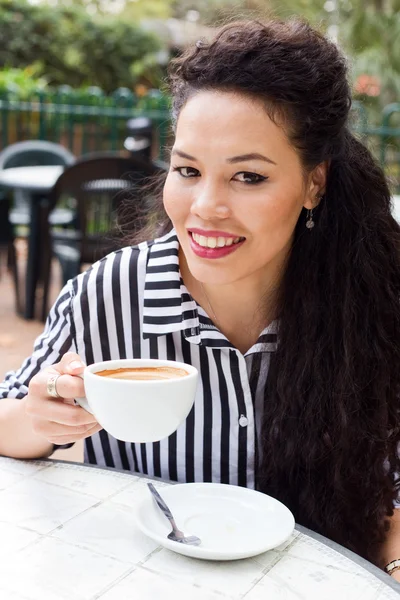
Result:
251,156
182,154
232,160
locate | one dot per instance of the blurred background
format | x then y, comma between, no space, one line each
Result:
109,58
84,79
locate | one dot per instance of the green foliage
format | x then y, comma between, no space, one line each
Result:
71,46
26,33
147,9
367,30
22,82
370,33
134,9
149,71
111,48
219,11
82,43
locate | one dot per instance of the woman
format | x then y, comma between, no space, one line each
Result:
279,281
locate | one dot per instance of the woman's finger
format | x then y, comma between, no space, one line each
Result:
67,386
53,429
70,363
58,411
45,428
93,430
60,440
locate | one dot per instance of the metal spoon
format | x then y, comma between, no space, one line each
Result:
176,535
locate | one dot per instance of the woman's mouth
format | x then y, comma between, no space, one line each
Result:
214,246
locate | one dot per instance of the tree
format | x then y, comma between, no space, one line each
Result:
109,50
370,33
367,30
147,9
211,12
71,46
136,9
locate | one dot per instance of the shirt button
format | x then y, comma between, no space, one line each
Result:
243,421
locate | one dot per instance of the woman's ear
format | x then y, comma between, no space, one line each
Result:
316,185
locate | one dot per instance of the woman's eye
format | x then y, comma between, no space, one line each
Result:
187,172
249,178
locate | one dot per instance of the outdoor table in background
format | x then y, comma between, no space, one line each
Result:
36,182
68,531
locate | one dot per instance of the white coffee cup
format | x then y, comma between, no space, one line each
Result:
139,410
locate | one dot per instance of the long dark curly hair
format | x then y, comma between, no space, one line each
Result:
331,415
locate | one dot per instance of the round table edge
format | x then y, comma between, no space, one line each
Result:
362,562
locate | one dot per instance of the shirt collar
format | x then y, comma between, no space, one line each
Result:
168,307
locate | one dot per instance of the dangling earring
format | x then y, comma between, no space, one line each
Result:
310,222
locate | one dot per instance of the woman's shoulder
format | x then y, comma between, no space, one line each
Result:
127,266
166,246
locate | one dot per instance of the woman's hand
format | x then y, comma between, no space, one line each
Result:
396,575
59,420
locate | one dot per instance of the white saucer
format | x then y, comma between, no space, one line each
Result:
232,522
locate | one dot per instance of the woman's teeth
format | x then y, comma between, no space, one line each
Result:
214,242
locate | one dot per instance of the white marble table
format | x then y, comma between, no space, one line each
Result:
68,532
38,179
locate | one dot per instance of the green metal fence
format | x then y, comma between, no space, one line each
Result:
83,122
383,139
90,121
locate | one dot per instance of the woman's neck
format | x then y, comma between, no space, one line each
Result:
241,309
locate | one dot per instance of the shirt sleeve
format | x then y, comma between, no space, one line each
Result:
49,347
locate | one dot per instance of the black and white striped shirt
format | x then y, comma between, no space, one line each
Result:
132,304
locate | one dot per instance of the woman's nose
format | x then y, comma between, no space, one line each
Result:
210,203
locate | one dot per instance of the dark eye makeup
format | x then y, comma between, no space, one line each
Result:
249,178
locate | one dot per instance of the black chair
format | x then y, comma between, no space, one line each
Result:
33,153
98,184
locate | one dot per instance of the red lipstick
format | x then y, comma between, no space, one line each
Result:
213,253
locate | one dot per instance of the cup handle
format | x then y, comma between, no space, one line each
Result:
82,402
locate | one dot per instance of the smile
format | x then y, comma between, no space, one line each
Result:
214,246
214,242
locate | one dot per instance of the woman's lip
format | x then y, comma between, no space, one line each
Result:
213,253
213,233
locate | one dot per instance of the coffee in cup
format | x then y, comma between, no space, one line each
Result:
144,373
139,400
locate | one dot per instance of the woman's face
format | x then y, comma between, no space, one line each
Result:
235,189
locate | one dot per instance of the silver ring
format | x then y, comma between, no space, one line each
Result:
52,386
